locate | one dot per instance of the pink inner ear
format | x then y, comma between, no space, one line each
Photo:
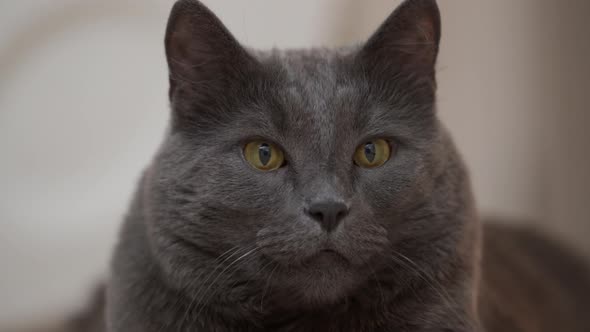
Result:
427,30
423,42
195,37
407,40
179,41
418,36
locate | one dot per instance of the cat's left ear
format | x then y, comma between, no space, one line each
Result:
406,43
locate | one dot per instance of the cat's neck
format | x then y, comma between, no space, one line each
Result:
159,306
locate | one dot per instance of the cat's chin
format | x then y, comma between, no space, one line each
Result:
325,278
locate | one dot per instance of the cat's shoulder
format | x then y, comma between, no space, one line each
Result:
530,281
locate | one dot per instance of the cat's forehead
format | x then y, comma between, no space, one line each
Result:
310,70
308,64
313,83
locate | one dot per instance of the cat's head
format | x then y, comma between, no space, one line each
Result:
312,173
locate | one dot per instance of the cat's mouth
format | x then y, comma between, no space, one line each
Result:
327,257
332,254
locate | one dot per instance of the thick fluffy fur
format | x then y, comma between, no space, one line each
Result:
530,283
211,244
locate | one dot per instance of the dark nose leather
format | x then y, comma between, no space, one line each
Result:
328,213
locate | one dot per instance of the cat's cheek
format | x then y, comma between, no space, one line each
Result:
398,185
387,195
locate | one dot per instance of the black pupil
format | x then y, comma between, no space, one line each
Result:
370,151
264,153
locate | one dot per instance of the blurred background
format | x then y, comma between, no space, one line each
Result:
83,106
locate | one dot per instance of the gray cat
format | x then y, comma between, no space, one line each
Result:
316,190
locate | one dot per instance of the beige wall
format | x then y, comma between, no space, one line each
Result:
83,106
563,80
521,69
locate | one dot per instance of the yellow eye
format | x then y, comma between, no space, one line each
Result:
372,154
265,156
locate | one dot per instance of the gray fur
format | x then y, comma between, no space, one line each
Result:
211,244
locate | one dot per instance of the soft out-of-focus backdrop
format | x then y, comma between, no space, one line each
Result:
83,107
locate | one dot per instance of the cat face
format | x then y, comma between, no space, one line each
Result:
298,172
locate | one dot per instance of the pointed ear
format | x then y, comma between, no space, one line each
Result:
204,59
407,42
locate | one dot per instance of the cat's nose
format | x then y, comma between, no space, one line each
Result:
328,213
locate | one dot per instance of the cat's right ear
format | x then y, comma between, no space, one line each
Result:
204,59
